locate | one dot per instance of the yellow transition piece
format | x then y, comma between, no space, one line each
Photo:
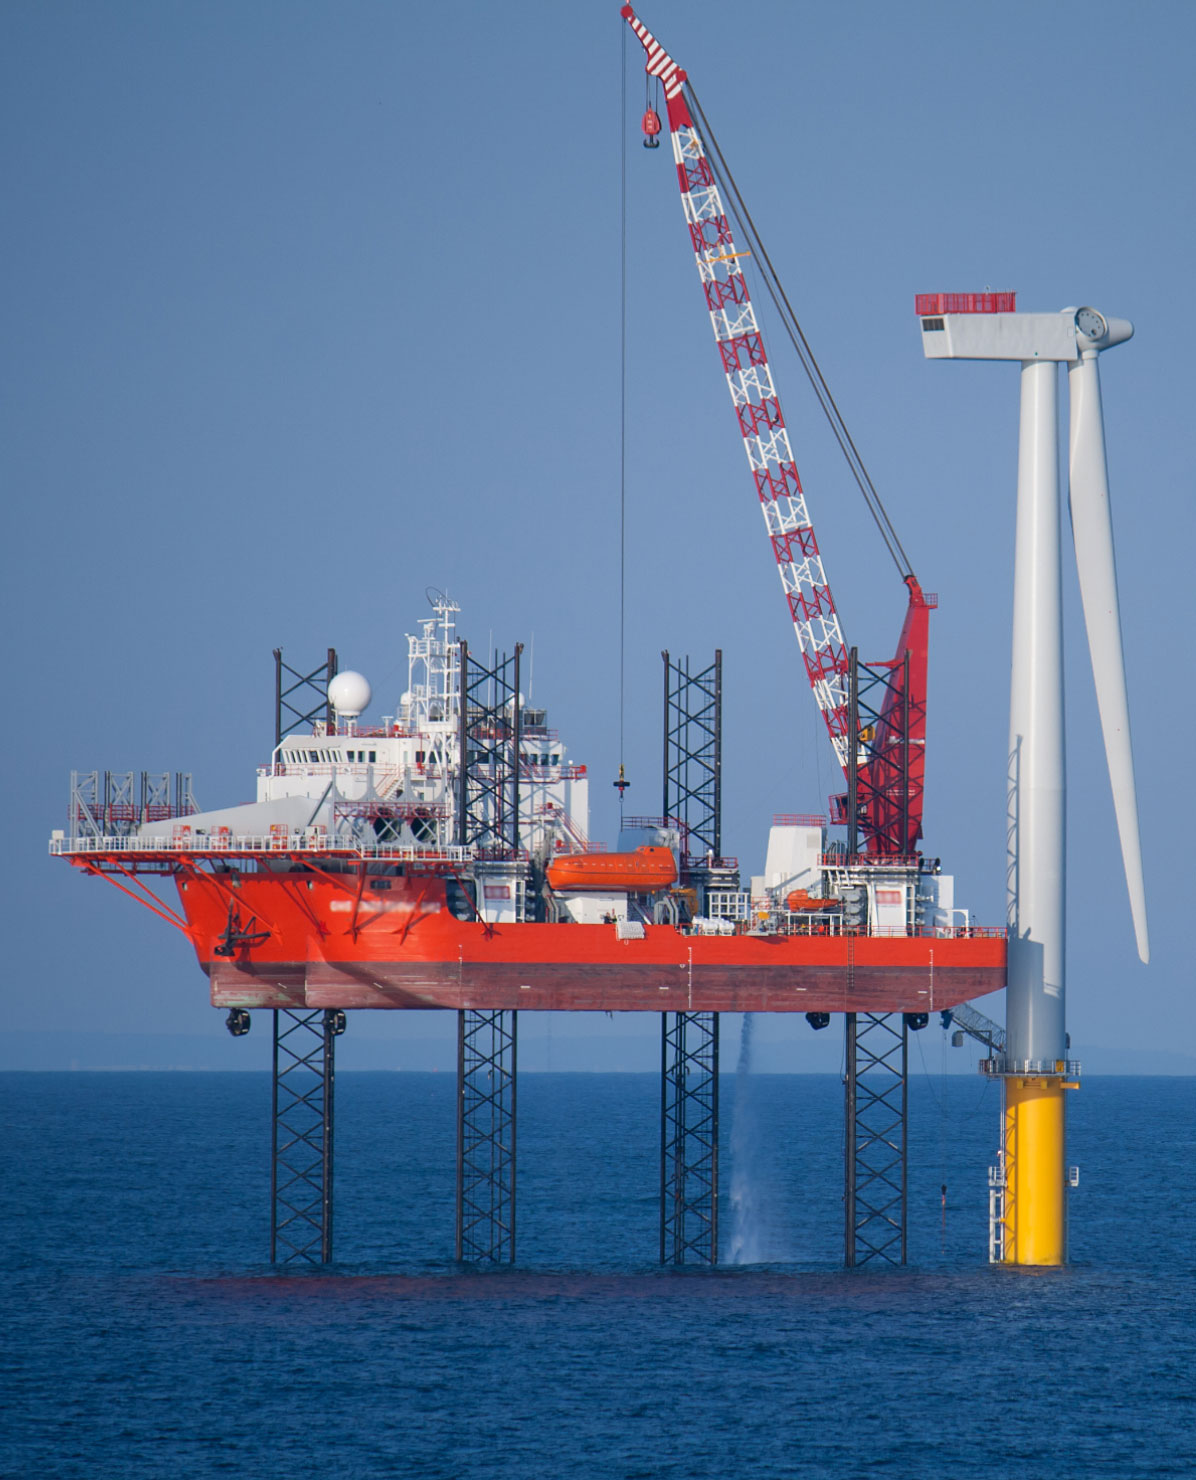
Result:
1035,1174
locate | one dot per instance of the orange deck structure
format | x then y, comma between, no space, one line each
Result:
319,931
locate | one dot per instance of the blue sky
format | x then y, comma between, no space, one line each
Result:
310,307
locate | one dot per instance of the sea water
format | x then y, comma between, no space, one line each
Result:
144,1333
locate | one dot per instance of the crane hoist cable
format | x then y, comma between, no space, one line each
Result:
622,783
801,346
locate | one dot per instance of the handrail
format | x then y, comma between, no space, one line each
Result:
1001,1067
729,904
210,845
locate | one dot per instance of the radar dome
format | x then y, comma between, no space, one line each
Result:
349,693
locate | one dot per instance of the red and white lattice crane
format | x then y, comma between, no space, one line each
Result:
884,759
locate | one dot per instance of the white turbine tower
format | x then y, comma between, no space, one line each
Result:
1033,1227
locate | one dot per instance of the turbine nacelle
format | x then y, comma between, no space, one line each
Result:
1064,336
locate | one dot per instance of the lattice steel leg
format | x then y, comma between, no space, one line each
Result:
301,1150
689,1138
877,1122
486,1135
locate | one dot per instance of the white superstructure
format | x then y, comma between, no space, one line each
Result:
398,782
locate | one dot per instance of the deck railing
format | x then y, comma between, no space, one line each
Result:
223,845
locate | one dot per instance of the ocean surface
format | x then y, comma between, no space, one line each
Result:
144,1333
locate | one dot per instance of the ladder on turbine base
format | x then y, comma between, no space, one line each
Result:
996,1211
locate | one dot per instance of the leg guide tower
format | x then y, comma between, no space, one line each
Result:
693,752
301,1148
486,1136
877,1123
490,736
693,723
689,1138
301,699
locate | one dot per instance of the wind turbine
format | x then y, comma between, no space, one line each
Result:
1032,1223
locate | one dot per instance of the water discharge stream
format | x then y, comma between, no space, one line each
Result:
756,1237
742,1247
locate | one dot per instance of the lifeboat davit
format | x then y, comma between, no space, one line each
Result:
646,869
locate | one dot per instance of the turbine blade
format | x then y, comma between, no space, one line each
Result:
1092,530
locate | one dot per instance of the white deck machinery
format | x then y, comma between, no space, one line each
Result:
1030,1226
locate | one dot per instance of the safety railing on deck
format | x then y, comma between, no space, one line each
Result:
218,844
321,769
762,917
813,923
999,1065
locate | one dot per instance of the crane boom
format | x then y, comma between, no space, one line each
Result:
883,758
754,397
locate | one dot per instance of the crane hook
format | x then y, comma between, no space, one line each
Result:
622,783
651,128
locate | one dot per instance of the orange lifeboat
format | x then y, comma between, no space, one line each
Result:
646,869
802,899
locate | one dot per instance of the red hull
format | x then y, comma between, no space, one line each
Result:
330,945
